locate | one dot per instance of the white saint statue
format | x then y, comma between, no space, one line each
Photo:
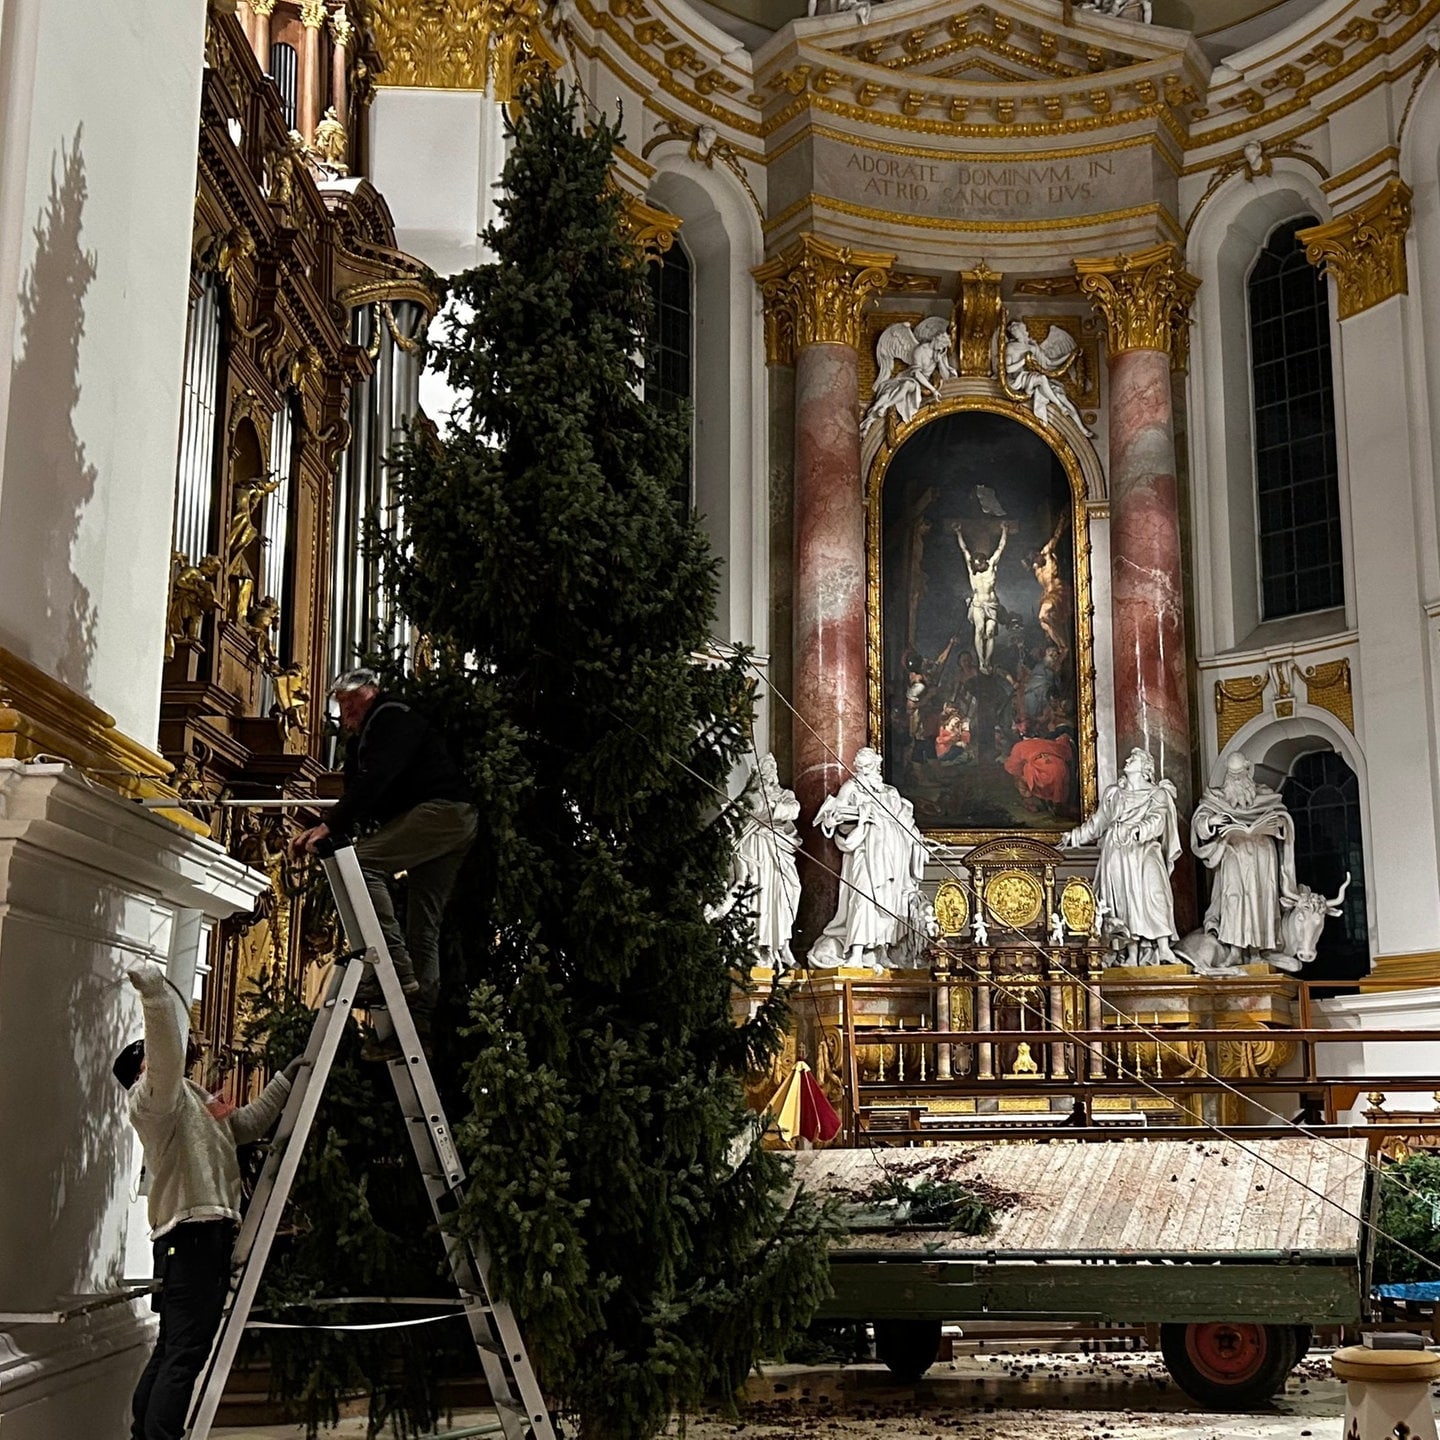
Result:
984,603
883,863
765,865
1139,837
1242,831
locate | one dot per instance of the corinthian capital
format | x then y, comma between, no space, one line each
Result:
1364,251
816,293
312,13
1144,299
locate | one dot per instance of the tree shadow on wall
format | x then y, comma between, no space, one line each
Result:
48,479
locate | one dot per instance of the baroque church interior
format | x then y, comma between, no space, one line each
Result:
1065,382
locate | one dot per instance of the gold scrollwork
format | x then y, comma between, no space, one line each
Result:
1077,906
1237,702
952,907
978,314
651,228
493,45
1015,898
1144,298
1328,686
1364,251
816,291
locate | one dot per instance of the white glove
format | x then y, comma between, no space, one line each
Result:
146,977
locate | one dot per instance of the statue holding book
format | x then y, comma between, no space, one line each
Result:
1242,831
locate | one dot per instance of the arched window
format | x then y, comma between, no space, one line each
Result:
1296,472
1323,795
669,351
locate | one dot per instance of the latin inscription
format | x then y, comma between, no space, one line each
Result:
955,189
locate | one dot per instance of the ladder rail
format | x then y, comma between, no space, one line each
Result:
267,1204
493,1327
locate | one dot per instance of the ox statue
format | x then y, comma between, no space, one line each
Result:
1304,915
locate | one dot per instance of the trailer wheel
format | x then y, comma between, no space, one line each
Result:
907,1347
1224,1366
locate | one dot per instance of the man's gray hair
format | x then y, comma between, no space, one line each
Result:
351,680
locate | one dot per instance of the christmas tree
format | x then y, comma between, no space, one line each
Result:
648,1243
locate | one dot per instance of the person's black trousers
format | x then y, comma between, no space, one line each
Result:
193,1264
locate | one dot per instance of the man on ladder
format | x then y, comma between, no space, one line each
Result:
190,1140
400,776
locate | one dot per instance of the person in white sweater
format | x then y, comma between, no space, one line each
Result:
190,1140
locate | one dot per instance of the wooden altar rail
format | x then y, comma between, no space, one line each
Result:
1129,1055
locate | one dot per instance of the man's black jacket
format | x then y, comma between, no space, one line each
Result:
395,762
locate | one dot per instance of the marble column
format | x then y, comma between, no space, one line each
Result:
259,30
1144,299
312,21
815,295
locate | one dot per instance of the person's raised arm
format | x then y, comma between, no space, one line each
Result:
386,744
159,1089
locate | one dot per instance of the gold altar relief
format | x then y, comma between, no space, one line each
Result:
816,293
1077,907
978,313
952,908
1237,703
461,45
1144,299
651,228
1364,251
1015,898
1328,686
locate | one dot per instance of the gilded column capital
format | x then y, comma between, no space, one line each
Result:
342,32
492,45
651,228
1144,299
1364,251
263,8
815,293
312,14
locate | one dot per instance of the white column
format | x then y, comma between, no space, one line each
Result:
89,884
1392,694
97,194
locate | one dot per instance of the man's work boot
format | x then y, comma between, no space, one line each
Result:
369,995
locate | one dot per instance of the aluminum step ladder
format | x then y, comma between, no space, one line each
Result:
514,1389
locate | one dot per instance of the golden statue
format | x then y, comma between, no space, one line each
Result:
261,622
243,532
291,709
1024,1060
194,593
331,143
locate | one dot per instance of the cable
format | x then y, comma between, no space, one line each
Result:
1138,1077
1155,1035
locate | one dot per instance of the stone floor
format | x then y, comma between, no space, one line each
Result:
979,1397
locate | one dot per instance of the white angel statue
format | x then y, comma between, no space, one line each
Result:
923,352
1034,368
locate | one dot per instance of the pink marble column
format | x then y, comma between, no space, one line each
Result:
1152,701
830,719
815,295
1145,299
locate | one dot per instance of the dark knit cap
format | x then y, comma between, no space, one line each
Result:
126,1068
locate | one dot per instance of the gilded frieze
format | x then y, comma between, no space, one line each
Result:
1328,686
1237,702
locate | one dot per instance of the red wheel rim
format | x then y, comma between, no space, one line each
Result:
1226,1354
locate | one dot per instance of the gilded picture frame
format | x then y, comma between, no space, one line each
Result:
981,749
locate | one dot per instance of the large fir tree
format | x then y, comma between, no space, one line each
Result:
648,1244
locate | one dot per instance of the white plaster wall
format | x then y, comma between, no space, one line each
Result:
88,884
436,156
104,194
1393,1010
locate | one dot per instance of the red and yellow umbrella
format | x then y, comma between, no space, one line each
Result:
801,1109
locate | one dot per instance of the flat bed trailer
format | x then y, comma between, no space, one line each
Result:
1236,1251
